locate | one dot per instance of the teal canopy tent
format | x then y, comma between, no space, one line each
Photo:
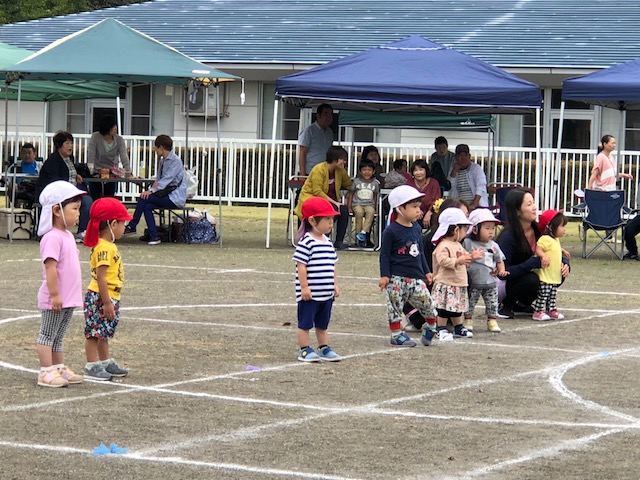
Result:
110,51
49,90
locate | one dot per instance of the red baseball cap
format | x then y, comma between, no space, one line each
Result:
545,220
318,207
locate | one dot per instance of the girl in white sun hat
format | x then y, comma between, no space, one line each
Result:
404,273
450,261
483,272
61,288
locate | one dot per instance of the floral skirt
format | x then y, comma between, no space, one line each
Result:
452,299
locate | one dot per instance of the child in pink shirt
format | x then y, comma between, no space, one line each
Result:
61,289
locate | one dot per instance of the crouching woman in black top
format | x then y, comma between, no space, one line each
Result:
518,243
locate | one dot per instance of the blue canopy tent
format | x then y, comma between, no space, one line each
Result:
413,75
615,87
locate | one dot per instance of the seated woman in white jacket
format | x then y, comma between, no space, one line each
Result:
468,181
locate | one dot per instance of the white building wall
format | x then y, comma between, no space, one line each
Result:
237,121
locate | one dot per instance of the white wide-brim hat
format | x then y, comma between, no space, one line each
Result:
481,215
448,217
53,194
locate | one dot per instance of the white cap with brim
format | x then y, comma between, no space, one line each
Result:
403,194
54,194
481,215
448,217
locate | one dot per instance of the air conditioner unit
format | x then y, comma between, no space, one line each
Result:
200,104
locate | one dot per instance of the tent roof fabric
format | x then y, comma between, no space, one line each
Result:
615,87
358,118
111,51
411,75
47,90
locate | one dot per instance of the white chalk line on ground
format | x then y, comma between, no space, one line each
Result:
179,461
248,433
373,408
470,418
555,450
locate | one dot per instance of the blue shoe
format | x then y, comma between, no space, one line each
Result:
427,336
328,355
402,341
308,355
362,237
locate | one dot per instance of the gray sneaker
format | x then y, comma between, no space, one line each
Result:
116,370
97,372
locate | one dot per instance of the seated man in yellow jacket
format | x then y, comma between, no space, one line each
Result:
326,180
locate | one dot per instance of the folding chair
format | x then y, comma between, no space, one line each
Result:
604,215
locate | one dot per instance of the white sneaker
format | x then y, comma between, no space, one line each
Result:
80,236
445,336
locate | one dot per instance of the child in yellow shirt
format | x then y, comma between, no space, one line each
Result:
102,301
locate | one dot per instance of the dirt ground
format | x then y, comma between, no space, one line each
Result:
215,389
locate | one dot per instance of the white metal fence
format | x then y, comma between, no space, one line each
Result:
244,166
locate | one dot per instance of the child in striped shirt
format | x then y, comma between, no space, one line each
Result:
316,284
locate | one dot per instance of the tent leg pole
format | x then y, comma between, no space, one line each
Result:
538,159
272,161
219,162
556,177
15,159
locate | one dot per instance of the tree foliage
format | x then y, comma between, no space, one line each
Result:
12,11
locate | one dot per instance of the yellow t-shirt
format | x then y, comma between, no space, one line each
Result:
106,253
551,247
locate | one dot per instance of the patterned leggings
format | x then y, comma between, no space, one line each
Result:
490,297
546,298
53,327
401,290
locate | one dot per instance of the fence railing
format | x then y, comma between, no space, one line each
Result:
244,166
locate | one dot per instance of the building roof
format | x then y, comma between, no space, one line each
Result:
507,33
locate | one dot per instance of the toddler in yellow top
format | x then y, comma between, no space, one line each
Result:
102,301
552,225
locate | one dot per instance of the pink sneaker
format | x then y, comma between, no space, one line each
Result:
555,315
541,316
69,376
52,378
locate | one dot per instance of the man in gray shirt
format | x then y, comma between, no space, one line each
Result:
315,140
445,159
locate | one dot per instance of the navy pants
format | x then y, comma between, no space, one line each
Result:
145,207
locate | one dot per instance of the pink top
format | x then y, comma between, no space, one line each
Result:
60,246
607,178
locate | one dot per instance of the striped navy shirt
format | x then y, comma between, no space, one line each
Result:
320,258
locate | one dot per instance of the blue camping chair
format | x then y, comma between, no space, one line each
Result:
604,215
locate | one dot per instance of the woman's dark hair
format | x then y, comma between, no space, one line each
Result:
557,221
164,141
606,139
448,203
510,214
105,124
336,153
60,137
364,163
421,163
367,150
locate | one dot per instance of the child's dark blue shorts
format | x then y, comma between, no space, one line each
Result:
313,313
